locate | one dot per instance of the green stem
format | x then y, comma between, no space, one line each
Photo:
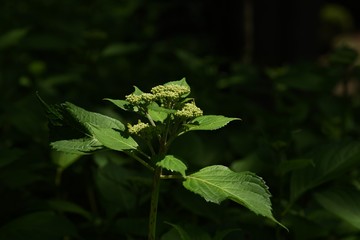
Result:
154,204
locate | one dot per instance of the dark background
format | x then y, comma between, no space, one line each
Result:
272,63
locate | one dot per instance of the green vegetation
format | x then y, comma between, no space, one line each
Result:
299,130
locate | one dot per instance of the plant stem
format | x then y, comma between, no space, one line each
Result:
154,204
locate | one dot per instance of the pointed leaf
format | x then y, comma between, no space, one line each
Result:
330,161
112,139
85,117
78,146
209,122
217,183
119,103
173,164
344,203
181,82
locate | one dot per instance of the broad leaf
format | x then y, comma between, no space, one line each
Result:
85,117
173,164
217,183
119,103
157,113
77,146
209,122
344,203
112,139
330,161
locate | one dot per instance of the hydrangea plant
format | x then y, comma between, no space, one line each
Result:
165,113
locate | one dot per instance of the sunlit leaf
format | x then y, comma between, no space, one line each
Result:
173,164
119,103
86,117
218,183
112,139
77,146
209,122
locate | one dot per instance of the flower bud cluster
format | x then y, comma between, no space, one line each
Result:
189,110
140,99
169,92
138,129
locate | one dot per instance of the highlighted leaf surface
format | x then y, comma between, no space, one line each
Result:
217,183
113,139
209,122
173,164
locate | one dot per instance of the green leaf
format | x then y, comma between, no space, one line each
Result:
64,159
77,146
220,235
291,165
39,226
119,103
181,82
65,206
12,37
119,49
217,183
181,231
85,117
330,161
173,164
157,113
209,122
112,139
344,203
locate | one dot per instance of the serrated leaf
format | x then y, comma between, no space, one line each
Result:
217,183
172,163
53,112
344,203
112,138
330,161
85,117
209,122
77,146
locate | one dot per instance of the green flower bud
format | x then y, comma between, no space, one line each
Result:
189,110
138,128
169,92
